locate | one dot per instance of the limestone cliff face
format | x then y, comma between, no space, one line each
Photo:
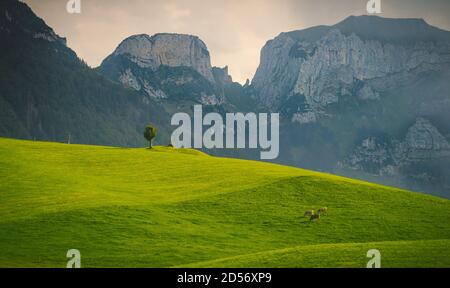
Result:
340,62
173,50
324,63
162,67
278,70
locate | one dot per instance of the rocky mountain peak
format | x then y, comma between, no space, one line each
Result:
399,31
173,50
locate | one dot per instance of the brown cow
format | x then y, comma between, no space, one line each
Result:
314,217
309,213
322,210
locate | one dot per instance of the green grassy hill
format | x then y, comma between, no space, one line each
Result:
170,208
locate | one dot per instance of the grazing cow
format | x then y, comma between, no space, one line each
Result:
322,210
314,217
309,213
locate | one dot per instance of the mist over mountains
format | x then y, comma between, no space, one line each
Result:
367,98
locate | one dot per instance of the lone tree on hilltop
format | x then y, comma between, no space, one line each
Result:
150,134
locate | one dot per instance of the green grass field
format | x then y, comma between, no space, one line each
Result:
181,208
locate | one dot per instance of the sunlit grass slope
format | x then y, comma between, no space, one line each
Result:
167,207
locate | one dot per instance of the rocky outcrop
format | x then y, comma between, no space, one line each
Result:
50,36
167,67
129,80
388,155
212,100
304,117
422,142
373,155
221,76
173,50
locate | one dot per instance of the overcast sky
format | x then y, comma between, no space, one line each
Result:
233,30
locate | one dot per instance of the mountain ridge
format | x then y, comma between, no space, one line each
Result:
359,26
